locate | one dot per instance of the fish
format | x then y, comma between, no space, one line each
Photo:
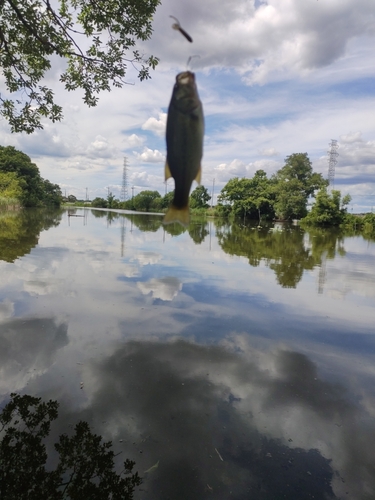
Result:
184,138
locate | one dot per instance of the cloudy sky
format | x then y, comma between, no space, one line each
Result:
275,78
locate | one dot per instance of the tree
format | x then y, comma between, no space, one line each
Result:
167,200
249,197
85,465
144,200
328,209
93,37
199,197
111,201
36,191
262,195
10,189
99,203
52,193
235,194
294,183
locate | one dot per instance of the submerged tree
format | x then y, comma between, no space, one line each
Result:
85,466
251,198
329,209
294,183
97,40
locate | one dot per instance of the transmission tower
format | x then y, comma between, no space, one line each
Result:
124,188
332,160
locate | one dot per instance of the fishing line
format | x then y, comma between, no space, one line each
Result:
189,61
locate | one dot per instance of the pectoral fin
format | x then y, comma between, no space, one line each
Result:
199,175
167,172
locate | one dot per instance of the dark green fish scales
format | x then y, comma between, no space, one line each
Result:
185,130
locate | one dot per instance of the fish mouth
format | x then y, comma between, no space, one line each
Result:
186,78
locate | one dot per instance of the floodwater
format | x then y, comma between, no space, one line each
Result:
239,360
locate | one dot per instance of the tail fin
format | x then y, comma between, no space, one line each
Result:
175,214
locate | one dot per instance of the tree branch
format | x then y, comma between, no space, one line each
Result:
31,29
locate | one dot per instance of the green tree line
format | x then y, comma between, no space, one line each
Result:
21,183
153,201
283,196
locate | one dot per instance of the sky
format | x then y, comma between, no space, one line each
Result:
275,78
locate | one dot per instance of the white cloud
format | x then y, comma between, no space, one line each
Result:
133,141
151,156
237,168
275,40
101,148
351,137
49,142
146,180
157,126
268,152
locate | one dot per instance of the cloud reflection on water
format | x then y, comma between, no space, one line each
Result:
183,348
165,288
28,348
280,428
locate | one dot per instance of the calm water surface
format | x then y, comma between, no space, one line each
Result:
241,360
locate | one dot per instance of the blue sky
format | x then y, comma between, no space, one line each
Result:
275,78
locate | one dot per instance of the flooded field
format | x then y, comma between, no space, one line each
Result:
227,361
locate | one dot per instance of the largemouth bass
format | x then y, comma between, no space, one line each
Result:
185,130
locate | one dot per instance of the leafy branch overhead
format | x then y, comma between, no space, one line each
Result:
96,38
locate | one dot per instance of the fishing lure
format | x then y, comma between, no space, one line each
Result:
177,26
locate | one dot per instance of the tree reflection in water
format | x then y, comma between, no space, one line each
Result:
288,252
85,465
20,230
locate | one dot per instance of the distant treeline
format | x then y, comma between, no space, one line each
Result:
282,196
21,184
151,201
